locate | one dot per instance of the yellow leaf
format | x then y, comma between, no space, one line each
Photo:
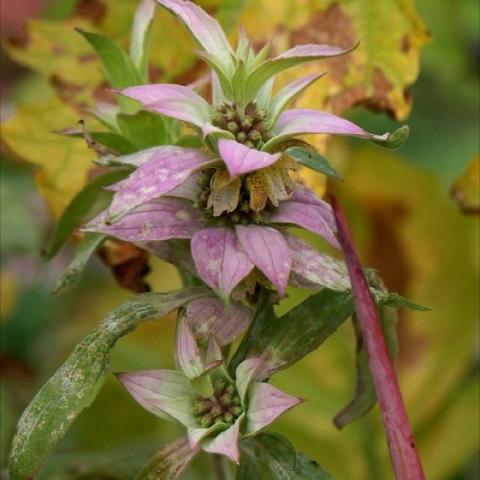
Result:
56,50
63,162
377,74
466,190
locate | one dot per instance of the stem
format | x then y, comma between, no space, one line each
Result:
220,467
400,440
251,334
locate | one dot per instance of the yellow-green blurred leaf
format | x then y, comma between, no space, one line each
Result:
466,190
63,162
377,74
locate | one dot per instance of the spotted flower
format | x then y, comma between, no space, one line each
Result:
216,409
233,198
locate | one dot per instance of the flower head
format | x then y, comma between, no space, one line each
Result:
234,198
216,409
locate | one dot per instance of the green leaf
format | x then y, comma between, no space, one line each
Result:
271,456
267,456
143,129
365,396
90,201
308,469
142,23
395,139
168,463
286,340
85,249
395,300
76,383
119,68
313,160
113,141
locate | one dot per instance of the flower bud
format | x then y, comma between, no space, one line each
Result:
226,399
230,115
202,406
236,400
235,411
247,122
216,411
241,136
249,144
254,135
206,421
232,127
228,417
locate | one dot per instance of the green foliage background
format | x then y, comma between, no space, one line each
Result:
404,219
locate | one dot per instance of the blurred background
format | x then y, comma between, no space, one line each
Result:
414,214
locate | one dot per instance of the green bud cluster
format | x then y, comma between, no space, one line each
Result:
224,406
248,124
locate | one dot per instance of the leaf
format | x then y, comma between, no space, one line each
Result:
313,160
377,74
271,456
54,49
466,189
76,383
395,300
308,469
85,249
118,67
169,463
267,456
395,139
283,341
63,162
142,24
86,204
365,397
111,140
144,129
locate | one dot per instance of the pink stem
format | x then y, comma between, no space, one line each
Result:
401,443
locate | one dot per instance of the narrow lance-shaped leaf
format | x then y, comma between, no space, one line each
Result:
313,160
401,443
142,23
90,201
76,383
118,66
365,397
85,249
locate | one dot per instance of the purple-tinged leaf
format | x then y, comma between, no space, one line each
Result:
171,100
170,462
308,216
249,371
401,443
197,434
241,159
269,251
188,355
220,260
295,56
205,29
166,169
303,121
305,195
265,404
189,189
312,269
226,442
165,393
207,315
161,219
289,92
140,35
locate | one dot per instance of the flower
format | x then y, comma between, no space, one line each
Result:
216,409
225,249
234,198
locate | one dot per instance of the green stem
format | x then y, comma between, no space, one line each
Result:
251,334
